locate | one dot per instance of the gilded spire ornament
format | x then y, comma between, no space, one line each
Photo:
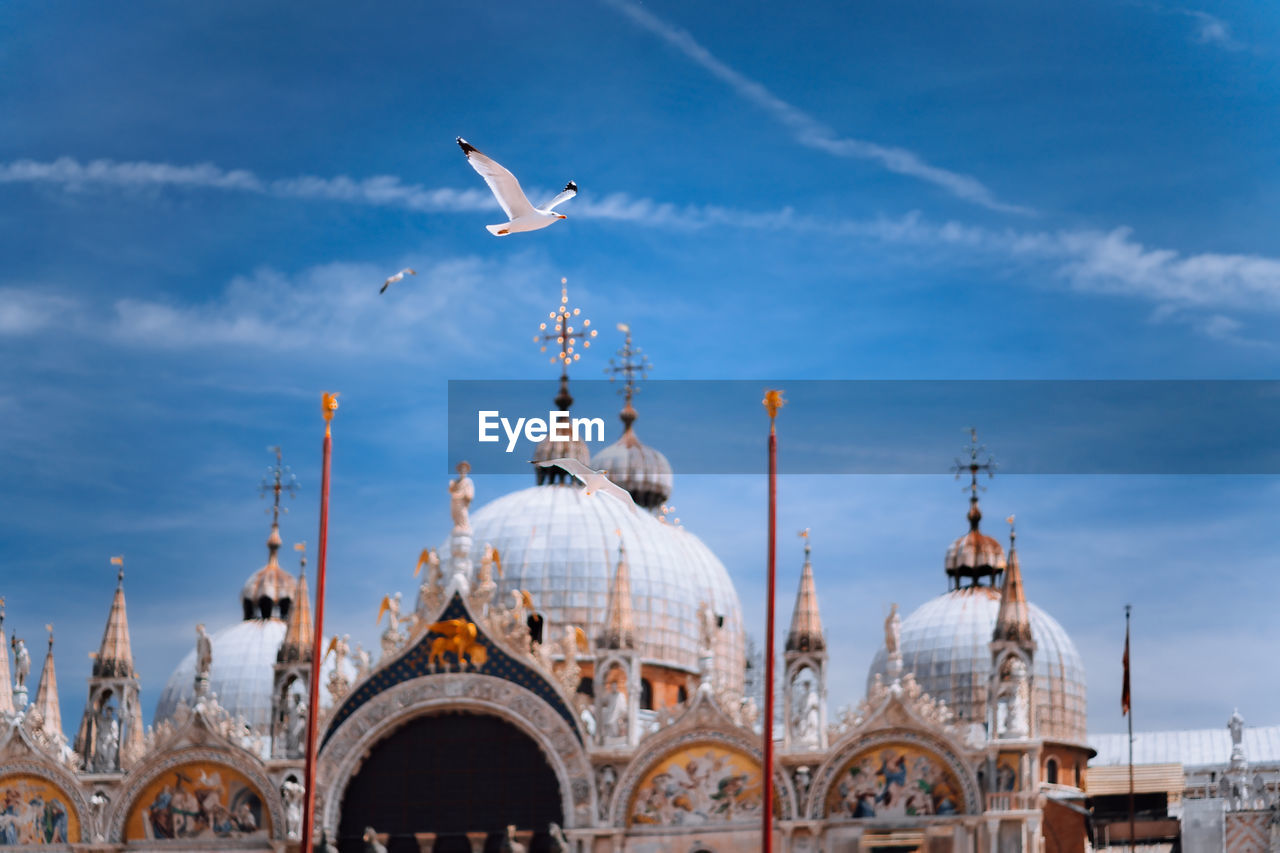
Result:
629,363
278,480
559,329
979,461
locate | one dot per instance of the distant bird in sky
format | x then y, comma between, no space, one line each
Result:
594,481
393,279
523,215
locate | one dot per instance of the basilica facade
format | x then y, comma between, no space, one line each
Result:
576,671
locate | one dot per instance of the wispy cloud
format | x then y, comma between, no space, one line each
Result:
1109,262
26,312
379,190
1211,29
806,129
335,306
1208,29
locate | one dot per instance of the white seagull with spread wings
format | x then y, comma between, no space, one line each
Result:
523,215
393,279
592,480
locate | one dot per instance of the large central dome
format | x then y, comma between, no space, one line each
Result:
561,545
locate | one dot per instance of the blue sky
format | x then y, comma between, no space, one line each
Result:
197,207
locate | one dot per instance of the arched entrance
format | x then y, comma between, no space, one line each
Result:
451,773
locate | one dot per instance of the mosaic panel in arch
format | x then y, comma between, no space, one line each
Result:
34,811
895,780
199,800
706,783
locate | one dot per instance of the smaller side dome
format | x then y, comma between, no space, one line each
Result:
641,470
547,449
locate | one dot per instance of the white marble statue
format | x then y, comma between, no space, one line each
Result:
204,653
431,591
572,641
485,586
461,492
707,626
22,664
106,747
338,681
806,722
363,660
893,632
392,637
97,812
1017,721
292,793
607,781
614,711
295,724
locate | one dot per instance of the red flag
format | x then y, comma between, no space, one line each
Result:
1124,691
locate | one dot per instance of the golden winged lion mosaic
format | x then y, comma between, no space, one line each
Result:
457,637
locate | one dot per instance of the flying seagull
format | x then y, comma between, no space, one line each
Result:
594,481
523,216
393,279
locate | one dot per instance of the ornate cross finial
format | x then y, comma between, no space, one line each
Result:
975,451
277,480
562,333
629,363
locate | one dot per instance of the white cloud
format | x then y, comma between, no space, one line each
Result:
1212,30
333,306
806,129
1089,260
336,306
25,312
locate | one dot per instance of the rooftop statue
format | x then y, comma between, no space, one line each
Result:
461,492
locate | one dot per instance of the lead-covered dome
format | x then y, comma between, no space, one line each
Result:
945,643
641,470
561,545
242,675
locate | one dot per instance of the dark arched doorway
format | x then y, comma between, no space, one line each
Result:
451,774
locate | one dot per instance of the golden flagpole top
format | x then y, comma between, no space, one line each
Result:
772,402
328,405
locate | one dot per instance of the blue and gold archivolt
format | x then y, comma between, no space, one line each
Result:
415,663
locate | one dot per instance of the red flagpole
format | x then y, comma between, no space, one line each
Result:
772,402
329,406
